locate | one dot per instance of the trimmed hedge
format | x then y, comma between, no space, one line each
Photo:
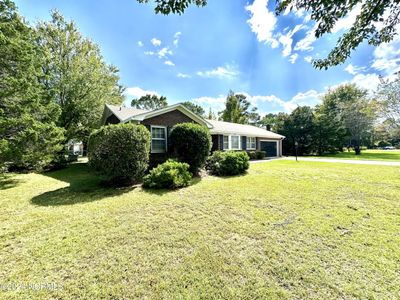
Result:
225,163
120,152
169,175
256,154
191,144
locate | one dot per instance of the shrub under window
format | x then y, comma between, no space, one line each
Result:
192,144
225,163
169,175
120,152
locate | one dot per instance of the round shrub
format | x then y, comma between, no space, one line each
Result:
120,152
169,175
260,154
228,163
252,154
192,144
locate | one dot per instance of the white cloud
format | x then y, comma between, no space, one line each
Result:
306,43
140,43
308,59
216,103
286,40
387,56
346,22
169,63
353,70
182,75
293,58
155,42
262,22
177,36
149,53
137,92
164,52
367,81
227,72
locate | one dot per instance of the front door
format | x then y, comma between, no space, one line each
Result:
269,147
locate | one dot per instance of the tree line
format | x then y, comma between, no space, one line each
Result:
53,86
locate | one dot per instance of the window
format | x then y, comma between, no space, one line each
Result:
251,143
158,139
226,142
235,142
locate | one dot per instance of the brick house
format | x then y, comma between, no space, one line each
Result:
225,135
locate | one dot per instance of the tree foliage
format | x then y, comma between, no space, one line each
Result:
191,144
29,137
238,110
197,109
76,76
120,152
376,22
150,102
389,95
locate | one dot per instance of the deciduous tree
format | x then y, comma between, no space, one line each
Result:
150,102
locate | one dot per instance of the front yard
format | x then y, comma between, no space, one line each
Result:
388,155
285,230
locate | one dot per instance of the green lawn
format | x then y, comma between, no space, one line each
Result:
389,155
306,230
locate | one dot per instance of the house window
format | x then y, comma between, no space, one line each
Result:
251,143
226,142
158,139
235,142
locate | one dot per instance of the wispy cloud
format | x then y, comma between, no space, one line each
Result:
262,22
293,58
137,92
176,38
183,75
156,42
353,70
140,43
164,52
222,72
286,40
169,63
308,59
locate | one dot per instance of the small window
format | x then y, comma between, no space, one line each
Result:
251,143
226,142
158,139
235,142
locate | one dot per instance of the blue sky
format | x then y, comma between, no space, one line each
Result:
227,45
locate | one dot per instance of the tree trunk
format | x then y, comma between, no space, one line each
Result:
357,149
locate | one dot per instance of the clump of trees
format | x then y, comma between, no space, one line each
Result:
238,110
54,84
345,118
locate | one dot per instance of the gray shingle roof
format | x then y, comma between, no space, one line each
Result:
220,127
124,113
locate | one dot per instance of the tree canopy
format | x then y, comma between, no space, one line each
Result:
150,102
238,110
197,109
376,22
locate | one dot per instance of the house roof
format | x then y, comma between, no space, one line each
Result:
220,127
126,114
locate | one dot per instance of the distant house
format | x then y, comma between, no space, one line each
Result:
225,135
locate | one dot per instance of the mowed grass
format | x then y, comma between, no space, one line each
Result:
389,155
286,230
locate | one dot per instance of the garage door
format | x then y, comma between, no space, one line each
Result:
269,148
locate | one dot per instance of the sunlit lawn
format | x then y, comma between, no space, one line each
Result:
389,155
305,230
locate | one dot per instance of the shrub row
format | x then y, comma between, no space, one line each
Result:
256,154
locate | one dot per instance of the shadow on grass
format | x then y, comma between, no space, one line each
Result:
161,192
84,186
8,182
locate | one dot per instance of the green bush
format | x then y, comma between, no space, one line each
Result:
169,175
191,144
260,154
120,152
225,163
256,154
